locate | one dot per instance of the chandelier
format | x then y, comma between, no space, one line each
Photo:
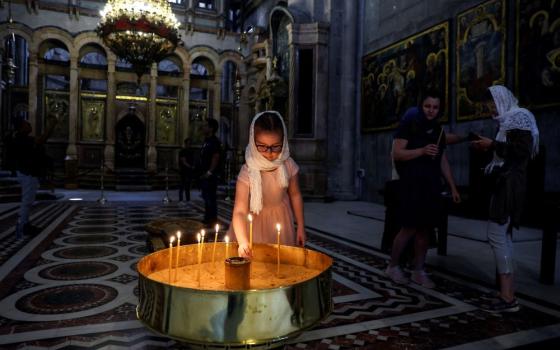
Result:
140,32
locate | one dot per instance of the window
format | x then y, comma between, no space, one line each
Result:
96,85
17,49
57,55
206,4
199,70
168,91
169,67
94,60
175,2
198,94
57,82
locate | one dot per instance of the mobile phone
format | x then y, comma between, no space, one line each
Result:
473,137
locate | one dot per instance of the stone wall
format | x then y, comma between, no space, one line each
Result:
387,22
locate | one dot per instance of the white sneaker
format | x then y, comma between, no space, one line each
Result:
421,277
396,275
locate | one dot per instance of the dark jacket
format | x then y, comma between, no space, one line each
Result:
509,190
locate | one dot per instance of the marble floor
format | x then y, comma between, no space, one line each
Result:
74,285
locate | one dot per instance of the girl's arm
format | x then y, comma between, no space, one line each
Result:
400,153
239,218
297,205
446,171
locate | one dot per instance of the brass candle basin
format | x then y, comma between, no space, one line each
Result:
260,318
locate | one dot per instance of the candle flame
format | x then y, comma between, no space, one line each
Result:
250,217
171,239
198,237
226,239
278,228
217,227
178,234
203,233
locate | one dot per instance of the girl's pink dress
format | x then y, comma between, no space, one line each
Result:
276,207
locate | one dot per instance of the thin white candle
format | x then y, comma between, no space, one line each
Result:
250,218
171,240
178,252
227,246
215,242
198,256
278,250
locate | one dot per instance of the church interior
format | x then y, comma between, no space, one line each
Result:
119,92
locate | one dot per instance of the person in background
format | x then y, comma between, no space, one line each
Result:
516,142
30,164
420,161
209,167
186,169
268,187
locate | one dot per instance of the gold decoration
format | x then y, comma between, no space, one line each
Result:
166,124
93,118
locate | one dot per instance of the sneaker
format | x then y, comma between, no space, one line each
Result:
502,306
422,278
396,275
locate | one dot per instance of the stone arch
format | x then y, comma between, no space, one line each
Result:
235,57
206,52
185,58
18,29
89,38
49,33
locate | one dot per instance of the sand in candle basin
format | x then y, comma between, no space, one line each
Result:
263,275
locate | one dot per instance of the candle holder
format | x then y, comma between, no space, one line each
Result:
238,273
102,200
166,199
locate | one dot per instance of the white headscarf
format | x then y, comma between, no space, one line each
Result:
256,163
511,116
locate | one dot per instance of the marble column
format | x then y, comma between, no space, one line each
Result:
151,121
217,102
71,160
109,152
184,118
33,89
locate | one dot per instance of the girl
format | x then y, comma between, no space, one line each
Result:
516,142
267,187
420,160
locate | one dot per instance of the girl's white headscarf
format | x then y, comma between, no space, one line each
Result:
256,163
511,116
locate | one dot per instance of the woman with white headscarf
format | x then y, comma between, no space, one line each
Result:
267,187
516,142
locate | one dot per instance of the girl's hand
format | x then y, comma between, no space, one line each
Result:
482,144
244,251
430,150
456,196
301,237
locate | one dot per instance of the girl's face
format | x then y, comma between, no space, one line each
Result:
430,107
269,144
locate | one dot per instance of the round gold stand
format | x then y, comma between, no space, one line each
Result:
217,319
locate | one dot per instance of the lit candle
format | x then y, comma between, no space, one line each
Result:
250,218
215,242
227,246
171,239
178,252
198,256
278,250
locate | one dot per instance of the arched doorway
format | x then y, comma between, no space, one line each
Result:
130,142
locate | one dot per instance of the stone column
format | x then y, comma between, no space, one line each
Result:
33,90
217,102
151,121
184,119
71,160
109,152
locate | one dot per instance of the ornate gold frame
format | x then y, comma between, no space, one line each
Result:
403,45
498,25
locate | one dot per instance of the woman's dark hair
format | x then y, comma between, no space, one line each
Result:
433,93
487,96
269,122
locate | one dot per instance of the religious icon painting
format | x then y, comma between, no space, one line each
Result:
481,49
56,106
394,77
537,75
166,124
93,119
